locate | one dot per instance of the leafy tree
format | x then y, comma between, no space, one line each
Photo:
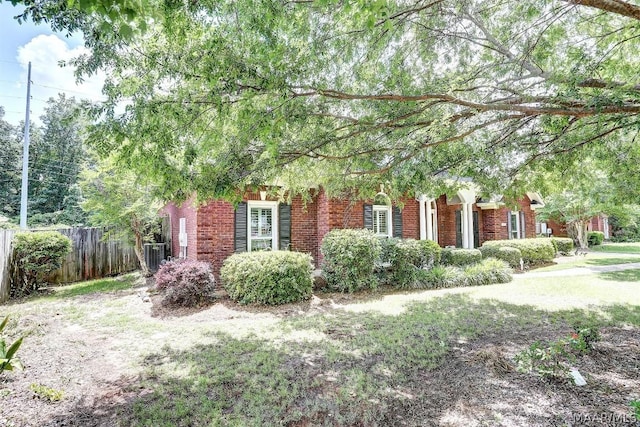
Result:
11,166
56,158
576,199
345,94
222,94
117,198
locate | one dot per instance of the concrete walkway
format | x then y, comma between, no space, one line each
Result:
578,271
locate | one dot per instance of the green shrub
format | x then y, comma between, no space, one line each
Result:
8,361
37,255
487,272
595,238
387,249
460,257
534,251
349,259
431,252
511,256
269,277
563,245
441,276
185,282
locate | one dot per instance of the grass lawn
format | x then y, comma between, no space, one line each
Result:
443,357
590,260
627,248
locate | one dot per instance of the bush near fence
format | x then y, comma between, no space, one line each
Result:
92,257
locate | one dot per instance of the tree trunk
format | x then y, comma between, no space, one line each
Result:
577,230
139,248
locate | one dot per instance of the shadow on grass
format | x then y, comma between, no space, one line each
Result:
101,285
423,367
628,248
622,276
611,261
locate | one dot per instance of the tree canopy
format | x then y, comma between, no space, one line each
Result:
222,94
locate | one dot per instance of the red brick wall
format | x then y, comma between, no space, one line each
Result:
304,227
501,232
446,222
558,229
410,218
216,222
187,211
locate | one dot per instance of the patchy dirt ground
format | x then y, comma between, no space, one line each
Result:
91,348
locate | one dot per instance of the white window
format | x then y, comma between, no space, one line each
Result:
382,220
263,226
515,225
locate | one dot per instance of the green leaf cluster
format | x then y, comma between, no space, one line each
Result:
8,361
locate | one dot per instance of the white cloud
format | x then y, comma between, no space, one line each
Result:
45,53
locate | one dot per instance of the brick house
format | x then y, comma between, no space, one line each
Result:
215,230
559,228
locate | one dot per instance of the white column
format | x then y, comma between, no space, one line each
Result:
429,215
423,218
471,242
465,225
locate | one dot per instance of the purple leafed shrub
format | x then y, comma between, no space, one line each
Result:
185,283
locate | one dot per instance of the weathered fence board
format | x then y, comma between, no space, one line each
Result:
93,256
6,237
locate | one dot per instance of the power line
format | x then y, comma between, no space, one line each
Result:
10,62
64,90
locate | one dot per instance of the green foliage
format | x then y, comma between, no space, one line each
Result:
635,407
460,257
595,238
8,361
37,255
487,272
562,245
269,277
11,167
300,81
545,360
408,257
387,250
441,276
47,393
534,251
349,259
511,256
552,360
116,197
186,283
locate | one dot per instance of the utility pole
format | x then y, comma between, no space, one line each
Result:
25,158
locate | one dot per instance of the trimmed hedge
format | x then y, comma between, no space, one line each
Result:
185,282
37,255
511,256
349,259
595,238
268,277
534,251
487,272
460,257
563,245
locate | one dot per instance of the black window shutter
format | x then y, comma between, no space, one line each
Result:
509,225
240,234
396,219
522,229
368,216
284,226
458,229
476,230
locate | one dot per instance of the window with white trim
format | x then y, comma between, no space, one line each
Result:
515,225
263,226
382,220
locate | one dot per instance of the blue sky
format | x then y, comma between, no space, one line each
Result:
21,43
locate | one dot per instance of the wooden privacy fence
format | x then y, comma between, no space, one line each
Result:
6,237
92,257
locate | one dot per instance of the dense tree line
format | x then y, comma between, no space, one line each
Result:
56,156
